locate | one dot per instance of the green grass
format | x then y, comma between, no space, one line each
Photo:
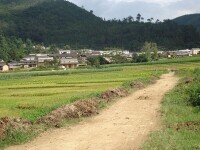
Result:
177,112
42,94
171,61
38,93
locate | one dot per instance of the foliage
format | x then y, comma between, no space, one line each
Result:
63,23
141,58
194,89
13,48
96,61
150,51
67,47
192,19
147,51
118,59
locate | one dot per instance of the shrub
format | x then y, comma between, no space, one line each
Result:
194,89
194,93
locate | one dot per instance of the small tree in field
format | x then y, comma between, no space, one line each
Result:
155,51
150,51
147,50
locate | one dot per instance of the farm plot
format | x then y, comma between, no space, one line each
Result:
34,95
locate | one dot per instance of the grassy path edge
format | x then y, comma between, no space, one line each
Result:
180,120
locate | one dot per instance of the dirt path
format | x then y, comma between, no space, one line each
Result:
123,126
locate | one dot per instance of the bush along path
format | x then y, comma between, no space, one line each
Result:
124,125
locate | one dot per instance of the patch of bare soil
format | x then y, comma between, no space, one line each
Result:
192,126
137,85
118,92
123,126
188,80
81,108
78,109
12,124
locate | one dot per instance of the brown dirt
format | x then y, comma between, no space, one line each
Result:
188,80
12,124
137,85
118,92
192,126
81,108
123,126
78,109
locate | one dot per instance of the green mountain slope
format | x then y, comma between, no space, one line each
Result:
55,21
61,22
192,19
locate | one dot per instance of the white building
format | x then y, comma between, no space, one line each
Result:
186,52
3,66
195,51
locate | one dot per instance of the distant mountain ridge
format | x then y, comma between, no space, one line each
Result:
192,19
61,22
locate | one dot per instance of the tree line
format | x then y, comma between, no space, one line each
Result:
63,23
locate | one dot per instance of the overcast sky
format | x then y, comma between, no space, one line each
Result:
158,9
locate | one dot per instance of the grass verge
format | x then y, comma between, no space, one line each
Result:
180,116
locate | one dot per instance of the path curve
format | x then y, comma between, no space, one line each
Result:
123,126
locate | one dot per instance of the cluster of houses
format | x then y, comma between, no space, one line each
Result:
66,59
69,59
182,53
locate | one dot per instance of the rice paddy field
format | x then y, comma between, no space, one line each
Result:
32,95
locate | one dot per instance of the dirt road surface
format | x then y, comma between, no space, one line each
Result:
123,126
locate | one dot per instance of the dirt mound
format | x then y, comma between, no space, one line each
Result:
192,126
118,92
78,109
82,108
137,85
2,130
12,124
188,80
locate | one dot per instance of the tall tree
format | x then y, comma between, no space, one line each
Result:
138,17
146,49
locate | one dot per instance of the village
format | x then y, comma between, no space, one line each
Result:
71,59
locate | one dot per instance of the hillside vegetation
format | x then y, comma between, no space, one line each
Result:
61,22
192,19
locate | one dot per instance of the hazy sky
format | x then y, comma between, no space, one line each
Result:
158,9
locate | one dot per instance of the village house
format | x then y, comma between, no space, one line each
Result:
82,59
69,63
182,53
14,65
95,53
195,51
29,61
169,54
43,58
3,66
64,51
66,60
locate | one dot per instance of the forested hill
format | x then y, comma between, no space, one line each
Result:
61,22
192,19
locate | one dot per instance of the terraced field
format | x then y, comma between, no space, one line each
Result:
32,95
